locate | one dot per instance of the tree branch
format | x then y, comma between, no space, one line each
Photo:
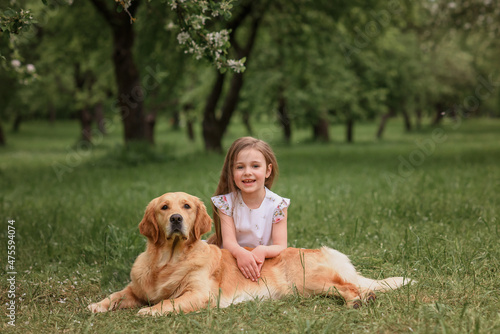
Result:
113,17
102,8
236,22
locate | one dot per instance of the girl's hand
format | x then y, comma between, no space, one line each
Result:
248,265
259,254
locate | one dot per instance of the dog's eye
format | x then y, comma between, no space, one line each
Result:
165,207
187,206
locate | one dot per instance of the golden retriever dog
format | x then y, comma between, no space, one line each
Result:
179,272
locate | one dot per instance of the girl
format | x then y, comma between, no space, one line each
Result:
246,212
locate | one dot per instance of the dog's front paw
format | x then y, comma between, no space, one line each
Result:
149,311
154,311
97,308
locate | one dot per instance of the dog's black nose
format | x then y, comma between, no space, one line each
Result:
176,218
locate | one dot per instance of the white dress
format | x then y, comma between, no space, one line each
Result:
253,226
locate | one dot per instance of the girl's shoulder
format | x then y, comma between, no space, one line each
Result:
276,200
277,205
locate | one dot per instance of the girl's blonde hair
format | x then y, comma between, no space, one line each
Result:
226,182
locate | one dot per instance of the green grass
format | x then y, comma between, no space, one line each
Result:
434,220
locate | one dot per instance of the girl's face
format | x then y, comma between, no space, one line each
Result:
250,171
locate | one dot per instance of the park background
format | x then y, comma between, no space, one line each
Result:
383,116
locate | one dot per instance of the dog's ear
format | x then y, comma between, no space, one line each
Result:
148,225
203,222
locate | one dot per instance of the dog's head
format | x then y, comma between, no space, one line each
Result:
175,215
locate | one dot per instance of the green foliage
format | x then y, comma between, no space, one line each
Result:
335,60
196,35
15,22
50,84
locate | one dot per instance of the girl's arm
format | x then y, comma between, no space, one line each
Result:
247,263
279,237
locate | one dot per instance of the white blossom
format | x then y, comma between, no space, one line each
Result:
182,37
30,68
218,38
170,26
236,65
126,3
15,63
204,6
196,21
196,50
193,15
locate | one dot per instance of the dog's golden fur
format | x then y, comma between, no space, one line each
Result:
180,272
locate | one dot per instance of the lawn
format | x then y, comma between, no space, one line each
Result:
423,204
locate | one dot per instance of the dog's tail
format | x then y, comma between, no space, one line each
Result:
344,268
383,285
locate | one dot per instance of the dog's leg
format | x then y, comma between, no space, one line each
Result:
368,286
349,292
324,271
366,292
120,299
188,302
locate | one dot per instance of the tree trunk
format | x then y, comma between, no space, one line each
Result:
99,118
383,123
440,112
246,121
407,121
419,118
214,127
2,136
320,130
86,124
130,92
453,112
189,120
176,120
84,115
349,130
283,117
52,114
190,130
211,128
16,125
228,108
150,126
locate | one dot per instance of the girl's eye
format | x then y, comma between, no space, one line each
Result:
187,206
165,207
256,166
239,167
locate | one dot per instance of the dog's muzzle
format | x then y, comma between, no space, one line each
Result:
176,225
